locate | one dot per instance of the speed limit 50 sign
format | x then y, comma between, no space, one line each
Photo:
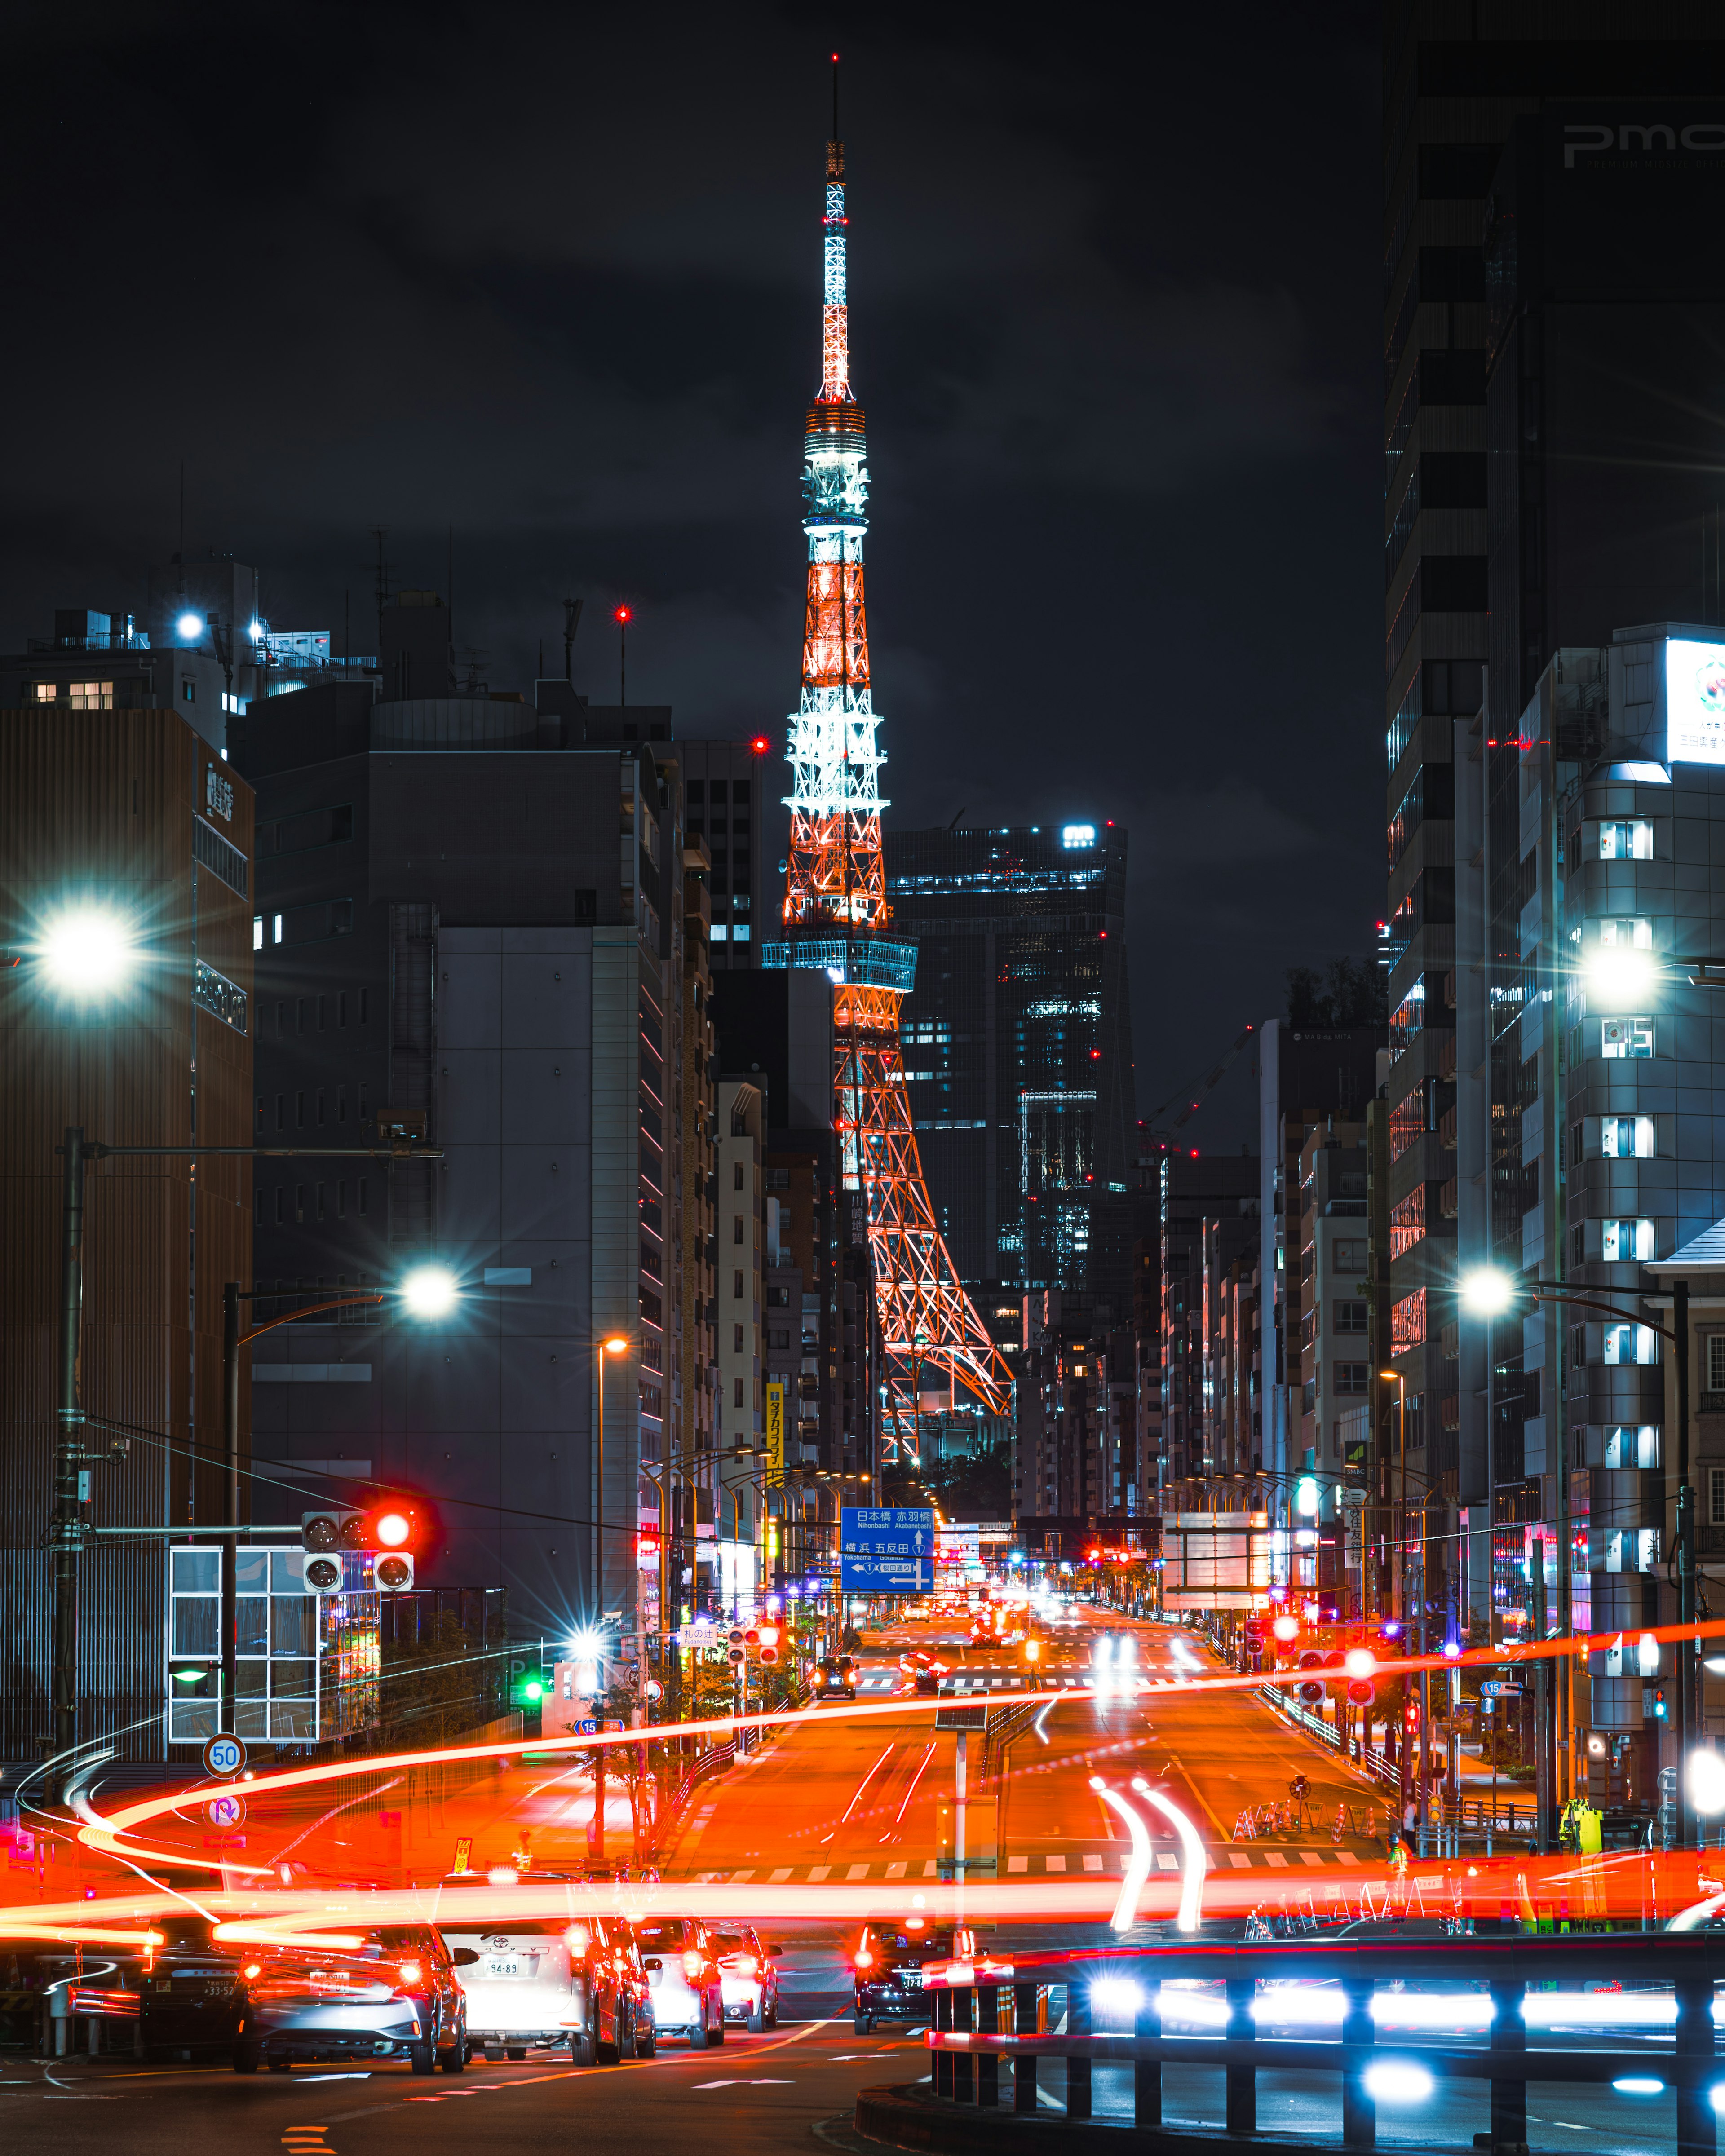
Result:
223,1756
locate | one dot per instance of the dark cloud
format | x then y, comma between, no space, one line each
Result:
549,275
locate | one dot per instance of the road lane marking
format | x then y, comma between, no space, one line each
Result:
777,1878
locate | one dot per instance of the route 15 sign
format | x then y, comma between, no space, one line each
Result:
223,1756
226,1810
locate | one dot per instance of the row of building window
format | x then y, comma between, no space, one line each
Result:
321,1201
293,1013
318,1096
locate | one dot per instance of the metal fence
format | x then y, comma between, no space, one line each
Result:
999,2011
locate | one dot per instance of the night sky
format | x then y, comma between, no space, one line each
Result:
550,275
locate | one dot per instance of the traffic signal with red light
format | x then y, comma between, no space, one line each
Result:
1311,1689
769,1643
390,1529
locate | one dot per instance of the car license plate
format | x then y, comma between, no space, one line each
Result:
910,1978
501,1967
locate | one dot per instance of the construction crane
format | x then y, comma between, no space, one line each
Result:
1195,1094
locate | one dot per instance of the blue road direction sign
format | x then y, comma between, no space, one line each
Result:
886,1549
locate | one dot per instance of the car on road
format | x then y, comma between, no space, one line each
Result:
535,1984
393,1995
888,1962
683,1978
188,1989
747,1979
924,1670
836,1679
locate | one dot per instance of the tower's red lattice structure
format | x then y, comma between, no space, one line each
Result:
836,918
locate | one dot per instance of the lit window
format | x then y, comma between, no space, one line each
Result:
1632,1445
1628,841
45,692
91,695
1716,1362
1621,1038
1631,1343
257,931
188,689
1626,1137
1630,935
1623,1242
1407,1021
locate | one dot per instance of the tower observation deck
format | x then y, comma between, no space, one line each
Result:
836,918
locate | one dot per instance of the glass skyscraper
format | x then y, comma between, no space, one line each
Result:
1018,1047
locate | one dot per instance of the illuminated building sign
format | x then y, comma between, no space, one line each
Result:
1078,834
1694,701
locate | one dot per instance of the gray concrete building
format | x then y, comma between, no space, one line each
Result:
469,919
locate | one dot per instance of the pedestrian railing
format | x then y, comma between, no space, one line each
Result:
1033,2007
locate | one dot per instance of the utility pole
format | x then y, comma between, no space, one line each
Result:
68,1532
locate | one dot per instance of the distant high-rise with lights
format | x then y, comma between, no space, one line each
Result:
1018,1047
836,918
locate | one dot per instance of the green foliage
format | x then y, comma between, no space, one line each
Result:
1350,993
436,1689
975,1487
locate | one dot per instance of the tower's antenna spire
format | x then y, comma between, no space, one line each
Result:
835,97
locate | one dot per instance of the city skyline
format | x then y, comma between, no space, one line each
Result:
603,415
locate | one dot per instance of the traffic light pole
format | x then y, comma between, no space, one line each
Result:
67,1531
233,1340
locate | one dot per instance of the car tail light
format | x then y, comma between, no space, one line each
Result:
744,1965
411,1972
691,1962
576,1940
863,1959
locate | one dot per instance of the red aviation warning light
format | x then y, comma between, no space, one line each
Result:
623,616
760,744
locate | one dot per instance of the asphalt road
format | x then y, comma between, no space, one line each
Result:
793,2094
756,2093
842,1801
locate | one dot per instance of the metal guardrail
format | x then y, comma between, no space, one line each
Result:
970,2001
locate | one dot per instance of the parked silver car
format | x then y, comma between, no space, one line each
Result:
394,1995
683,1977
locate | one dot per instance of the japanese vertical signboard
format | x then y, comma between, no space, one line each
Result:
775,1434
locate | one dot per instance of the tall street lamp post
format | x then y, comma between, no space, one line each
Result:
68,1532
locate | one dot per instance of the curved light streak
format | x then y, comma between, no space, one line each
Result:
261,1785
1192,1842
1126,1909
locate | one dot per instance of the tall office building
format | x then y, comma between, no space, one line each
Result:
470,920
1018,1048
727,788
1550,176
1618,1170
128,815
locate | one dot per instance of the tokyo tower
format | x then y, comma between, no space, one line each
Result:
836,918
